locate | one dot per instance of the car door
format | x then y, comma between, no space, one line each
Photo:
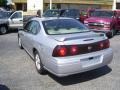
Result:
16,20
30,36
23,34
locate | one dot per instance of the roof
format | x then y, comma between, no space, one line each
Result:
48,18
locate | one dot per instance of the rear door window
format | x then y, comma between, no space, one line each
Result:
33,27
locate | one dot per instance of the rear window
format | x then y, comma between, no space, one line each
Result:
63,26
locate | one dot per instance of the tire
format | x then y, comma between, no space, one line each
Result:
116,31
112,33
3,30
20,43
38,63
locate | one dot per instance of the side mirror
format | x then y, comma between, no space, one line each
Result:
12,18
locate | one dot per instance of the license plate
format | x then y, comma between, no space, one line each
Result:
91,61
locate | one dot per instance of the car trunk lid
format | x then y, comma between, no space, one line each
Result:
80,38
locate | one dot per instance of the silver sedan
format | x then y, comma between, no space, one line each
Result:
64,46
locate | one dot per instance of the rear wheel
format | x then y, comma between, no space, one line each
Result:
38,63
3,30
112,33
116,31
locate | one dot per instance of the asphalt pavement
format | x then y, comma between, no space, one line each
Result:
17,71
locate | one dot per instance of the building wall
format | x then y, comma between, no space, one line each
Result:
29,6
107,4
76,6
20,1
81,4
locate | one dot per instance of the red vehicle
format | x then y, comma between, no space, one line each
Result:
84,14
106,21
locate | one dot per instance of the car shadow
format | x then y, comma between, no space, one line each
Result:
13,31
3,87
82,77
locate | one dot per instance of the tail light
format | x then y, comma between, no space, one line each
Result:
70,50
107,43
74,50
60,51
104,44
101,45
65,50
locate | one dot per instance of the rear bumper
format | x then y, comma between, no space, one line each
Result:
81,63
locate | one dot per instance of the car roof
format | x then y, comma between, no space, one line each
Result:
48,18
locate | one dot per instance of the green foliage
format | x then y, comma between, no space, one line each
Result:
3,2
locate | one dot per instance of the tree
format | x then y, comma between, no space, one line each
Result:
3,3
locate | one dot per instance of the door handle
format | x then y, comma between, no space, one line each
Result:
20,20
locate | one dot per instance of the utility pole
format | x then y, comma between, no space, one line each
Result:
114,4
50,4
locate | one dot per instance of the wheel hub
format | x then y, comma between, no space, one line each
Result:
37,62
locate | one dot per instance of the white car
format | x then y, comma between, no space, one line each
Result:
64,46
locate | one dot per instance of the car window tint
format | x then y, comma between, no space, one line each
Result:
83,13
5,14
63,26
51,13
27,26
34,27
71,13
17,15
102,14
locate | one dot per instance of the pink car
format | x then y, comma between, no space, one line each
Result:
106,21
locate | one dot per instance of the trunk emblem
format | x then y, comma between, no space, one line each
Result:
89,48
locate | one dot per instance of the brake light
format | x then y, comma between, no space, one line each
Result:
71,50
104,44
60,51
74,50
107,43
101,45
65,50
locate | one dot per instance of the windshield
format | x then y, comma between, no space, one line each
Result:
63,26
5,14
51,13
71,13
102,14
